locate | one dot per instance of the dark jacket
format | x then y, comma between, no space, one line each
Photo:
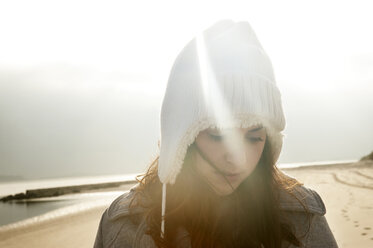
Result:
116,229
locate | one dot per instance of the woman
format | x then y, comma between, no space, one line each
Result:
215,182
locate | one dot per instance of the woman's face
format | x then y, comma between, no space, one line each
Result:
234,152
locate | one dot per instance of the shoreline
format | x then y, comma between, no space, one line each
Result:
53,215
343,165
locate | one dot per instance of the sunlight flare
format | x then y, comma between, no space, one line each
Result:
216,103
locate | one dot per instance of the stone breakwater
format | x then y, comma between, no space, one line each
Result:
57,191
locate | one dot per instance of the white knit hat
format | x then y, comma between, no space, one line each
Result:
222,78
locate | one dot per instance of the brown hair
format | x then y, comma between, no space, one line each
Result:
252,219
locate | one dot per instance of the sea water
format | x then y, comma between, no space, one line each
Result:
18,210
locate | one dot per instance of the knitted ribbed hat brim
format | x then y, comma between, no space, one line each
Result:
177,152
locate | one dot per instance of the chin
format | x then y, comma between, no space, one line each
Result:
225,191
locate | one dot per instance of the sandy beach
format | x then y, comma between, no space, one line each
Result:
347,191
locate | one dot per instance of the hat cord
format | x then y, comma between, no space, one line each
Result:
163,208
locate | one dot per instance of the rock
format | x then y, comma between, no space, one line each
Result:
367,157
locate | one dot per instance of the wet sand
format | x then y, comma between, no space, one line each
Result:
347,191
72,226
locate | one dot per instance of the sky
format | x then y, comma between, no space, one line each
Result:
81,82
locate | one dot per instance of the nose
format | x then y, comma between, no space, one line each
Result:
235,151
236,158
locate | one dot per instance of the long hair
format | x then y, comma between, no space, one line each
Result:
249,217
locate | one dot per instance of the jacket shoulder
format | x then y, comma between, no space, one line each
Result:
120,207
116,228
313,231
309,197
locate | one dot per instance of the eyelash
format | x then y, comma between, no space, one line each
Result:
251,139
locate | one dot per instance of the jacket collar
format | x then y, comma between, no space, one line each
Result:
308,196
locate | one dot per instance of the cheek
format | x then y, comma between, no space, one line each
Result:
258,148
257,151
254,154
202,167
214,151
210,148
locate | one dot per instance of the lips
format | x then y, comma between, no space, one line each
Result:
227,173
229,176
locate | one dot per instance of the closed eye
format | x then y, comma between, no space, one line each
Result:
220,138
216,137
255,139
